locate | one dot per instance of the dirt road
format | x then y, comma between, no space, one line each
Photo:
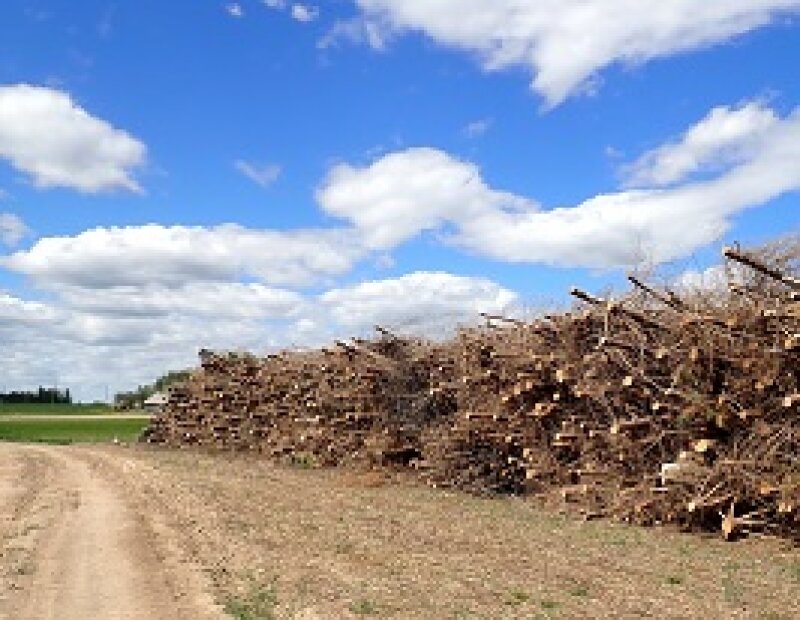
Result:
75,547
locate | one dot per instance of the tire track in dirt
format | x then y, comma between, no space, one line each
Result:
91,554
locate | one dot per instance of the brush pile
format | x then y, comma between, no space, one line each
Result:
364,401
656,408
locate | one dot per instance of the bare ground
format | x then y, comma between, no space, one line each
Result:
275,542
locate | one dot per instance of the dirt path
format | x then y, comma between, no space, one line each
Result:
73,547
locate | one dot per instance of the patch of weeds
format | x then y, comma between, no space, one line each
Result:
548,605
258,604
239,525
618,537
579,591
31,527
674,580
345,548
302,461
517,597
685,551
25,568
731,588
364,608
793,570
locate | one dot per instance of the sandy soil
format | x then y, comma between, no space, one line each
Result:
128,532
73,548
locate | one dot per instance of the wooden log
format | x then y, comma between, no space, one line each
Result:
753,263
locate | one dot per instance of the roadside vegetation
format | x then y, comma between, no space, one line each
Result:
67,430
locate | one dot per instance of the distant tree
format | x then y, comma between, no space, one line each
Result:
40,396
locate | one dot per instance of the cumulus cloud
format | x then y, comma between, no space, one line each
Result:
155,254
405,193
233,300
46,135
119,337
15,311
725,136
12,229
565,43
304,13
92,352
714,278
421,303
261,174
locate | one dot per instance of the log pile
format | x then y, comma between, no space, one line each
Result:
656,408
365,401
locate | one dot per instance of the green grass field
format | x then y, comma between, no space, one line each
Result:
68,431
48,409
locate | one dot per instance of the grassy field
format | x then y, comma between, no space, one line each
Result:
54,409
66,431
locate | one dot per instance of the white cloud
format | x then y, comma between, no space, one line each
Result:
713,278
235,10
724,137
262,174
478,128
304,12
357,30
234,300
422,303
565,43
154,254
90,338
123,336
14,311
12,229
46,135
89,352
275,4
406,193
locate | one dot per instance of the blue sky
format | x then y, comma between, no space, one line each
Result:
262,174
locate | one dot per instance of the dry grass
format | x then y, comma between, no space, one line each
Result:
334,544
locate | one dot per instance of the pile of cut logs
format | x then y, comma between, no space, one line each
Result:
656,408
361,401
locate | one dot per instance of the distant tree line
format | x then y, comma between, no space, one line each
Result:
135,398
41,396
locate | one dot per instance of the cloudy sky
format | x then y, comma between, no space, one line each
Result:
268,173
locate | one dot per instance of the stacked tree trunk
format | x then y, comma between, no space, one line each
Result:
651,409
361,401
